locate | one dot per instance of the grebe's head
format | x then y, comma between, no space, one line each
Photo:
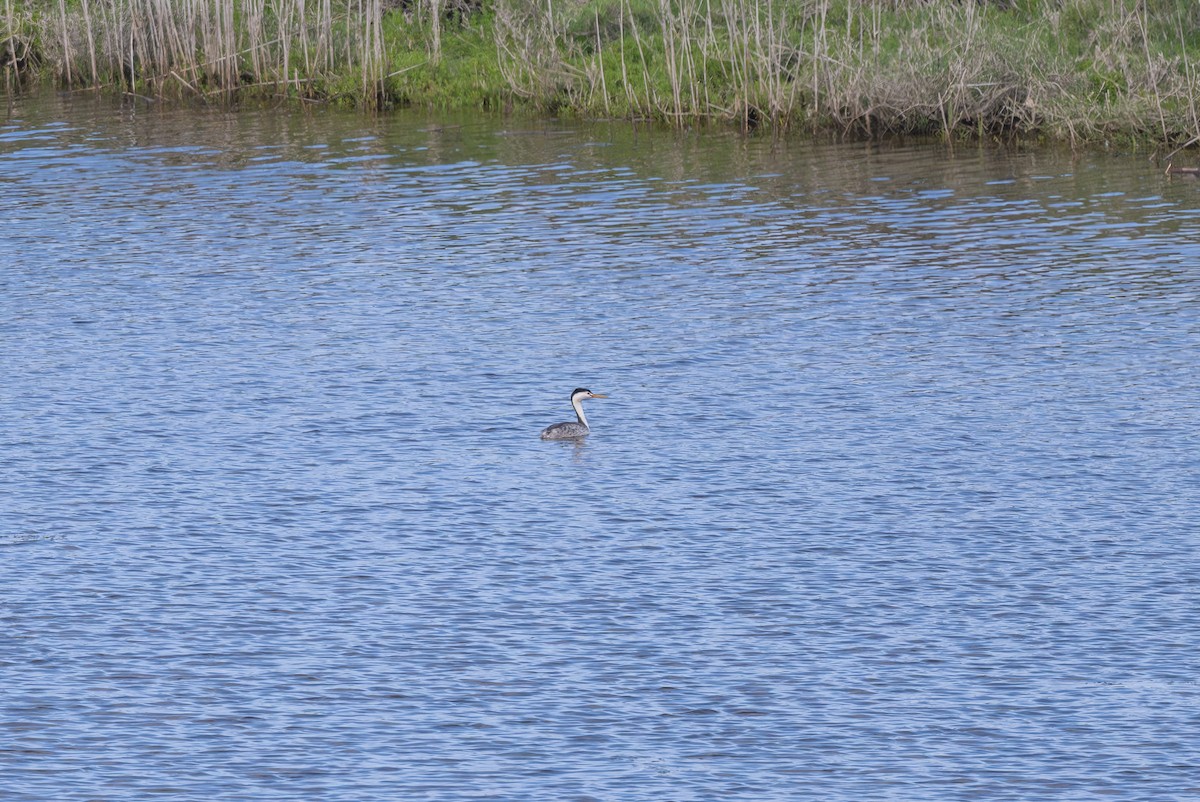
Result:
581,393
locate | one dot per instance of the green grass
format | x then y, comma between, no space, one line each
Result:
1076,70
464,75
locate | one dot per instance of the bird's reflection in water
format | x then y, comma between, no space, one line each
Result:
578,446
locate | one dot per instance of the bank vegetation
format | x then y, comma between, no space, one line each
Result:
1076,70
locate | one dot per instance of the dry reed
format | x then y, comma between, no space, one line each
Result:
213,48
1075,69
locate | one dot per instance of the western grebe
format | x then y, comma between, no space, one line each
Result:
564,431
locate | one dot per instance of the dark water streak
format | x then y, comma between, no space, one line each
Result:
895,497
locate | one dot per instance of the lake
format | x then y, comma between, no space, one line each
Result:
896,495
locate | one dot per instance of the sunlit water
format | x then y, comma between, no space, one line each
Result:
896,496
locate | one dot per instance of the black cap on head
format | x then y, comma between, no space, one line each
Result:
580,390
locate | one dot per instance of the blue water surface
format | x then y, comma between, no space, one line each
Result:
896,495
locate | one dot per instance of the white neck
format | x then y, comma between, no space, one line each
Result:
578,404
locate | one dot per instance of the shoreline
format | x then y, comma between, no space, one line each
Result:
1077,72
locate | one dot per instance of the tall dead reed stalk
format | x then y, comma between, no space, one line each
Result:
215,48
